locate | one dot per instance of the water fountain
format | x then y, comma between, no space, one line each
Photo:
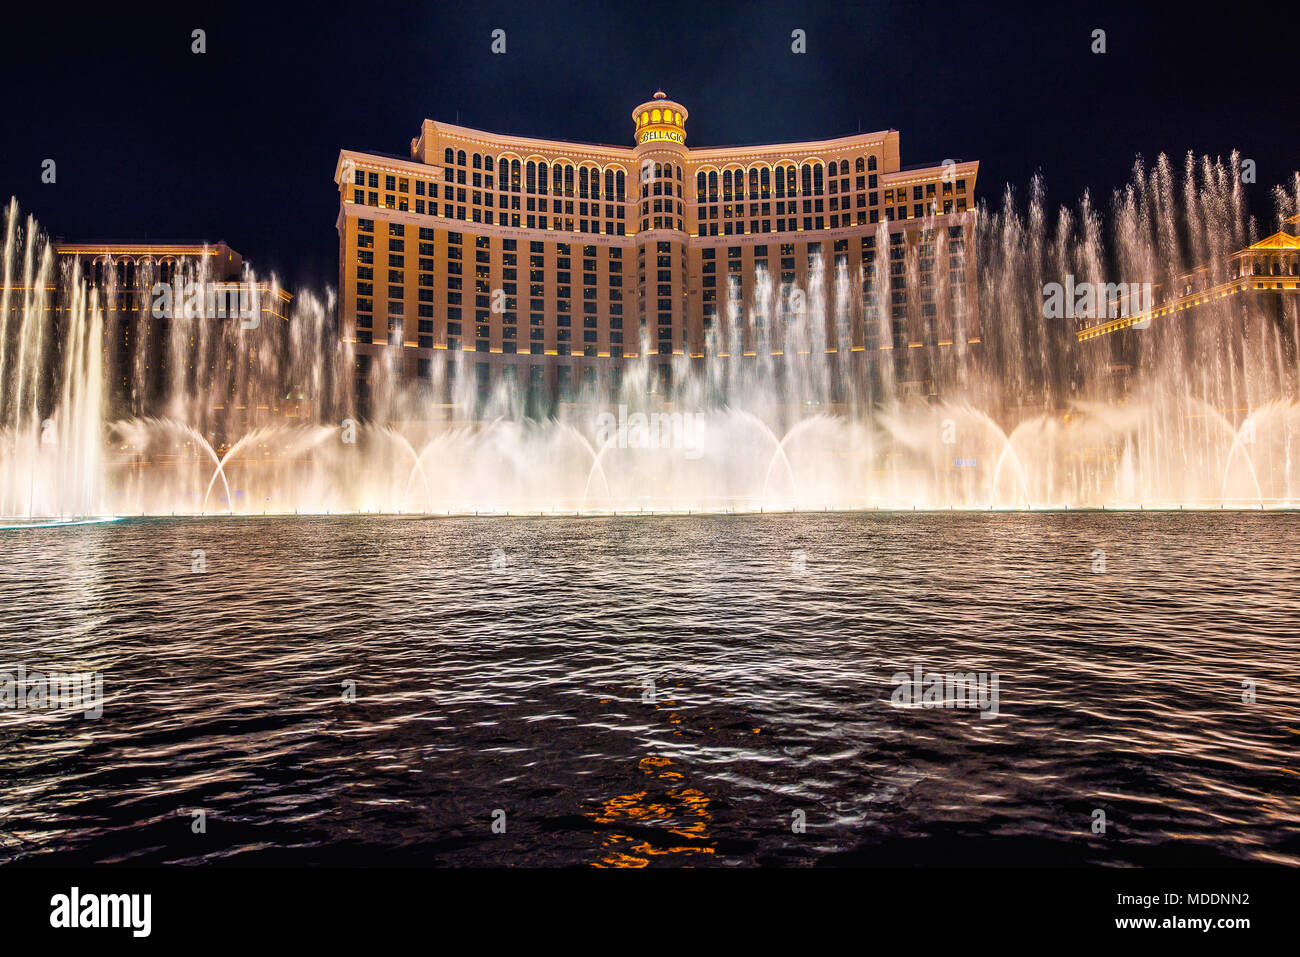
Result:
51,385
263,420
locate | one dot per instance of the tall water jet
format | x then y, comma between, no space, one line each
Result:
51,382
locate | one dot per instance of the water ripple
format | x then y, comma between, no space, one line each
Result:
655,690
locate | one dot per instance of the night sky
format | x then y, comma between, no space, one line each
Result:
239,144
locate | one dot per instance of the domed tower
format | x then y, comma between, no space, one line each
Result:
660,224
661,120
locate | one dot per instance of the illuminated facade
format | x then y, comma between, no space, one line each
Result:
565,258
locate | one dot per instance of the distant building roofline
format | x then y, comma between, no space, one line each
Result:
160,248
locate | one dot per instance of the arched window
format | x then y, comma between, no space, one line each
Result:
582,183
767,182
713,186
460,158
806,180
871,163
532,176
780,182
609,185
622,184
699,186
726,185
514,175
503,173
753,182
448,156
844,167
568,181
478,161
860,164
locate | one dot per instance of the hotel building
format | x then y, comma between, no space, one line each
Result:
567,258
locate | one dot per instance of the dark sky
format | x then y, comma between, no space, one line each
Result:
154,142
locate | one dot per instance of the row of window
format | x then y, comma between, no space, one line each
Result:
454,344
561,179
807,180
835,221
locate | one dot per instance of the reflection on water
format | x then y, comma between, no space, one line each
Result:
657,691
657,822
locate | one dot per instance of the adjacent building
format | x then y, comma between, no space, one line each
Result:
1265,274
148,357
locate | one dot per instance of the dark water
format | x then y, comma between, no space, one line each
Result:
517,680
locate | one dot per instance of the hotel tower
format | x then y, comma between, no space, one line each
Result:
549,262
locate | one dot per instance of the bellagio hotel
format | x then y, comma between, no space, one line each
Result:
546,261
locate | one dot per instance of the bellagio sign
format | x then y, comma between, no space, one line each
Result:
650,135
